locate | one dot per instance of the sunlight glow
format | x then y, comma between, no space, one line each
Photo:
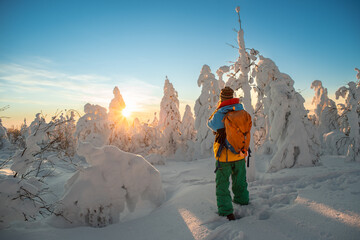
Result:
194,224
6,171
348,218
126,112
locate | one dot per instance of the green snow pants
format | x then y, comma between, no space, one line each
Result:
237,171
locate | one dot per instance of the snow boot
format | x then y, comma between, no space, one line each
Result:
231,217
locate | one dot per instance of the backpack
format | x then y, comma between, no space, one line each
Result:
237,128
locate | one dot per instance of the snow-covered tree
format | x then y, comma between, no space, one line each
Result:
4,140
27,160
25,195
155,121
259,120
93,126
65,133
241,77
145,139
170,119
325,109
116,106
352,114
118,123
358,75
291,140
188,134
204,107
220,72
187,127
115,180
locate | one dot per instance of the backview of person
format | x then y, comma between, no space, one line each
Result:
231,125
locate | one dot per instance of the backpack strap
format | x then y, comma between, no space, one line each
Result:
249,155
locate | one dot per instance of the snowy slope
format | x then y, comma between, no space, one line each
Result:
300,203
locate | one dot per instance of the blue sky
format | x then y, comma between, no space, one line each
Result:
63,54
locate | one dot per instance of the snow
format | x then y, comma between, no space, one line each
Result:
304,203
114,180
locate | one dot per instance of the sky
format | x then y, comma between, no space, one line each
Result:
61,54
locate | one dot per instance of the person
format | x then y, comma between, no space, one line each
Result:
228,163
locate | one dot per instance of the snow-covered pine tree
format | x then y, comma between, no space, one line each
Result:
204,107
170,119
118,123
4,140
186,148
240,78
291,140
155,121
352,114
116,106
358,75
325,109
187,128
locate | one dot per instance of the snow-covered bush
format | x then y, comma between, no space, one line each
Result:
336,142
28,160
93,126
44,139
351,114
115,180
64,134
170,119
145,140
204,107
18,136
21,200
291,140
25,194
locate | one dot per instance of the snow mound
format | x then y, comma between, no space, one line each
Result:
114,181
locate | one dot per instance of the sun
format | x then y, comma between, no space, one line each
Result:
126,112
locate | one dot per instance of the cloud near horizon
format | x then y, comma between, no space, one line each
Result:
35,84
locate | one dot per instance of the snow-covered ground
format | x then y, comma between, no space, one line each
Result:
320,202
